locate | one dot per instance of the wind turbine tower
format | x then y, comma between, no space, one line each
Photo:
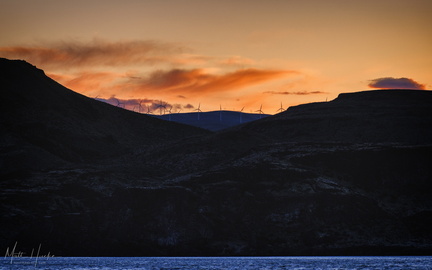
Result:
148,110
119,104
160,106
220,113
199,110
241,114
281,109
260,111
169,113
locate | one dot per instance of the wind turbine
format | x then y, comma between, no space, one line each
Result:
220,113
160,106
260,111
198,110
148,110
139,106
119,104
281,109
241,113
169,113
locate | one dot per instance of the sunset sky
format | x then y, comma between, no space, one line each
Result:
224,53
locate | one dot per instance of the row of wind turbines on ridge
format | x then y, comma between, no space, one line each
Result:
163,110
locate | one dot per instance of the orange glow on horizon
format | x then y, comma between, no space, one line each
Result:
230,52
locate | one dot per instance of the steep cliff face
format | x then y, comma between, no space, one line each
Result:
347,177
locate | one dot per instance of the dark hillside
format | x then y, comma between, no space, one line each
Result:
347,177
52,123
402,116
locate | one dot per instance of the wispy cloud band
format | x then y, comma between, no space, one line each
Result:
298,93
95,53
200,81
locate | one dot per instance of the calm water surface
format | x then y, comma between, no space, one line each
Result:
303,263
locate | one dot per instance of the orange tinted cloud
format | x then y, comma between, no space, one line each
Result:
178,83
102,53
95,53
122,70
198,81
87,82
237,61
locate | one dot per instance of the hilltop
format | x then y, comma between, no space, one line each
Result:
399,116
45,124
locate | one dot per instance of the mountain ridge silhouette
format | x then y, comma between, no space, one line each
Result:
350,176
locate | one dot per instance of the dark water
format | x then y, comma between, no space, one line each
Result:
219,263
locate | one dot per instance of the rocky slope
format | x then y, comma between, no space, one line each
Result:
346,177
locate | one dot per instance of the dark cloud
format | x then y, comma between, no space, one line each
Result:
299,93
396,83
94,53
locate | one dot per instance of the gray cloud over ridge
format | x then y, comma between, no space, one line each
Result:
396,83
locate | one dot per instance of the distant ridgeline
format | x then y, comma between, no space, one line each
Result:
213,121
